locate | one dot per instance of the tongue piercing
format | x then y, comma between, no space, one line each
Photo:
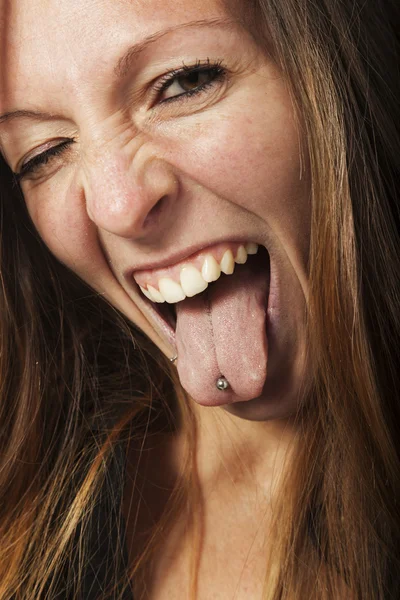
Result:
222,384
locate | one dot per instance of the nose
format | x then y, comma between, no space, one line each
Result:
124,196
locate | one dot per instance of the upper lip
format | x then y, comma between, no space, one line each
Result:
181,255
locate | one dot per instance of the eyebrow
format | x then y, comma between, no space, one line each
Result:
29,114
124,64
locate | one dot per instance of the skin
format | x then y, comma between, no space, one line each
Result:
147,180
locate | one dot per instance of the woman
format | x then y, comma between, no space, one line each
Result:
199,299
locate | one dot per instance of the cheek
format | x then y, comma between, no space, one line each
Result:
250,156
60,217
252,146
250,161
70,235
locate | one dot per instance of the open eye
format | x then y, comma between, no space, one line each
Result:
190,80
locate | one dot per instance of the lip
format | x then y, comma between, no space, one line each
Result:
182,255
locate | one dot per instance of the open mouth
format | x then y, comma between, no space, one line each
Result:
219,327
168,288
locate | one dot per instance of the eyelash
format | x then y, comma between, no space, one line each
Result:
40,160
216,71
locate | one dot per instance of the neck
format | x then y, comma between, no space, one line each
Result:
235,451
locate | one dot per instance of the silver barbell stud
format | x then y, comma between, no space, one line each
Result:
222,384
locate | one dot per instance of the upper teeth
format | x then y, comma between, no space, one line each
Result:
193,281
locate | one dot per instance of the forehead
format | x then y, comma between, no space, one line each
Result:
53,46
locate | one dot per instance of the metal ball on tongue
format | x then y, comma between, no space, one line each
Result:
221,384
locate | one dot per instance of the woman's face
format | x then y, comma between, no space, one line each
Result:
153,138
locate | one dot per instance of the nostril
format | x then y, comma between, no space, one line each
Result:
155,213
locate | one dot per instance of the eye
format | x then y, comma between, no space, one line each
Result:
189,81
38,161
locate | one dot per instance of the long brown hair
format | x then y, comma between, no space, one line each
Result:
75,373
341,60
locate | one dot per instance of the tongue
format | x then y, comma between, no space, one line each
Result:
222,332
